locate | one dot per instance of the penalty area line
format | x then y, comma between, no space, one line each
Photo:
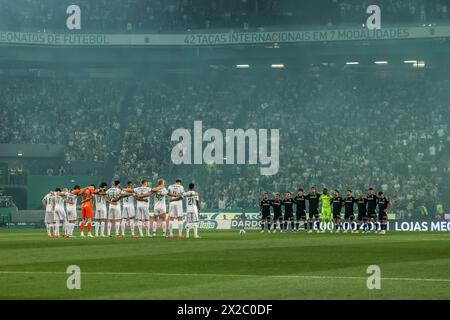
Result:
229,275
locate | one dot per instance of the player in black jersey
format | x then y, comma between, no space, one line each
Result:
383,206
313,207
349,214
361,201
337,207
300,212
277,212
288,204
264,209
371,208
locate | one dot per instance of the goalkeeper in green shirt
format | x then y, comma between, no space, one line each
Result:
326,200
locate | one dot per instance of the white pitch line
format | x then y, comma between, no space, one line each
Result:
227,275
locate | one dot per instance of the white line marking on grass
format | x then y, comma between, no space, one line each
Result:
228,275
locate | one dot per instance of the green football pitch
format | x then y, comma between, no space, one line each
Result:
225,265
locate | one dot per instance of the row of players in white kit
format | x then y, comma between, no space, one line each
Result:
122,211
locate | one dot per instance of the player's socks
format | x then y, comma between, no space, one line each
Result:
82,226
263,225
195,230
109,228
164,227
89,227
139,223
124,222
180,228
132,226
147,228
97,227
49,230
154,228
117,227
102,228
269,225
171,227
188,227
56,232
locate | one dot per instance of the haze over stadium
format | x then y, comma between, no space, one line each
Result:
180,114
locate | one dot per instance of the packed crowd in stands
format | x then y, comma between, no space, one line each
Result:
337,129
181,15
35,116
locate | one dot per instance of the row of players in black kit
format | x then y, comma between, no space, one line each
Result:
330,211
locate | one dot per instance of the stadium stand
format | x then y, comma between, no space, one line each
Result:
170,15
135,131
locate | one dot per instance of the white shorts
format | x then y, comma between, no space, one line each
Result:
100,213
142,213
192,217
49,217
176,209
71,214
114,213
128,212
60,214
159,211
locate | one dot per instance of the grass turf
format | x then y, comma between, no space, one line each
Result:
225,265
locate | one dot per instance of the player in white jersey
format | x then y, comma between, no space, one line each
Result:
71,208
100,209
128,211
142,195
113,196
60,213
159,207
49,203
192,210
176,207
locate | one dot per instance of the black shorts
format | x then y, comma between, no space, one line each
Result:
265,216
314,213
382,216
362,216
349,216
277,217
288,216
301,215
372,215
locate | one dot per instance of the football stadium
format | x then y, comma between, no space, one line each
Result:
224,150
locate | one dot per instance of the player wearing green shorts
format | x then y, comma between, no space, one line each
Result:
326,200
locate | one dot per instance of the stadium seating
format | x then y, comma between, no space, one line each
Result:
166,16
376,147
